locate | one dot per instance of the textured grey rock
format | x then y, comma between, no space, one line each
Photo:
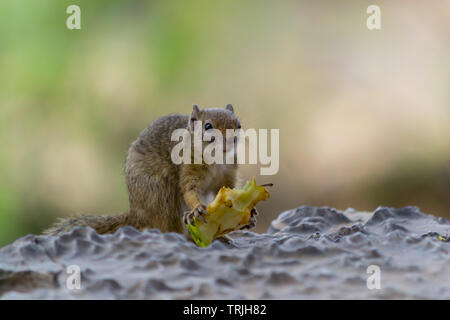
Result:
307,253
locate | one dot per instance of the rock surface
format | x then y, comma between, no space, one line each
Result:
307,253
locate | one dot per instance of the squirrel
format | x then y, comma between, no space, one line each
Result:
162,194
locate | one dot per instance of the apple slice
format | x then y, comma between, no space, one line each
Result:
229,211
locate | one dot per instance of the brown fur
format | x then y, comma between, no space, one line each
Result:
159,191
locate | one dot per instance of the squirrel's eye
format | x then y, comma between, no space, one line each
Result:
208,126
239,124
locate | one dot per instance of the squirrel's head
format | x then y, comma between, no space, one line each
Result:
215,118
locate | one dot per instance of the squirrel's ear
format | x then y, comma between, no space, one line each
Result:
195,111
195,115
229,107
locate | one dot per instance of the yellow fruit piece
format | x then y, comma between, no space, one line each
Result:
229,211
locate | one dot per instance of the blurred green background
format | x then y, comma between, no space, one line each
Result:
363,115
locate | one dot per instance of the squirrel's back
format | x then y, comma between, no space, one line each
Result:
156,137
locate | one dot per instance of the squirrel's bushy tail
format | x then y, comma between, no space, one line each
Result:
101,224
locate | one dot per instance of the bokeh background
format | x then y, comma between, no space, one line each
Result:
363,115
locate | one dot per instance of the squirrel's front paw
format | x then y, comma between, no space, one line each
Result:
199,212
252,222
